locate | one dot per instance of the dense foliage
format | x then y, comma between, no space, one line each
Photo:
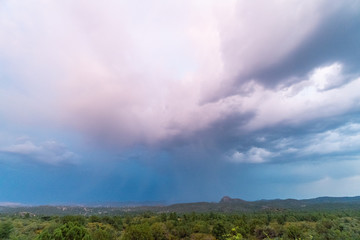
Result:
193,226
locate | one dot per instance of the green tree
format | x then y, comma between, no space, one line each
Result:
159,231
219,231
5,229
44,235
81,220
138,232
182,231
294,232
75,232
101,231
68,231
234,235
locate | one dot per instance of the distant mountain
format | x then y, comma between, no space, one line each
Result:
335,200
124,204
228,199
225,205
283,204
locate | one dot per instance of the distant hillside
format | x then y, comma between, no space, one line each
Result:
225,205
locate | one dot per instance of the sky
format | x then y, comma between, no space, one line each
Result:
178,101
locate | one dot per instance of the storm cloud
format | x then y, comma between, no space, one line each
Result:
168,89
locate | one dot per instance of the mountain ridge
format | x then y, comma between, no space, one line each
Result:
225,205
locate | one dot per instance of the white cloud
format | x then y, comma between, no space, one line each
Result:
49,152
22,148
253,155
328,77
344,139
302,101
11,204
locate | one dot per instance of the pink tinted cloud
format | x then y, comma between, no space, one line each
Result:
140,72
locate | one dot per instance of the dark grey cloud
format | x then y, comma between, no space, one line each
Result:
335,40
281,143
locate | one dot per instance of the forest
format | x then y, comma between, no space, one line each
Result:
282,224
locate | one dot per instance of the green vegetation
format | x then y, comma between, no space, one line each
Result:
5,229
284,224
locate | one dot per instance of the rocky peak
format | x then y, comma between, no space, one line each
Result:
226,199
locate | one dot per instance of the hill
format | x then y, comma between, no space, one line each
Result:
225,205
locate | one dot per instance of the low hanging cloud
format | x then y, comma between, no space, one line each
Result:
345,140
333,144
49,152
254,155
125,74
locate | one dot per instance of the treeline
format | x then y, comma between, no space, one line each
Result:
192,226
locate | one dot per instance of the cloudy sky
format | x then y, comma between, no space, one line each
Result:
178,101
